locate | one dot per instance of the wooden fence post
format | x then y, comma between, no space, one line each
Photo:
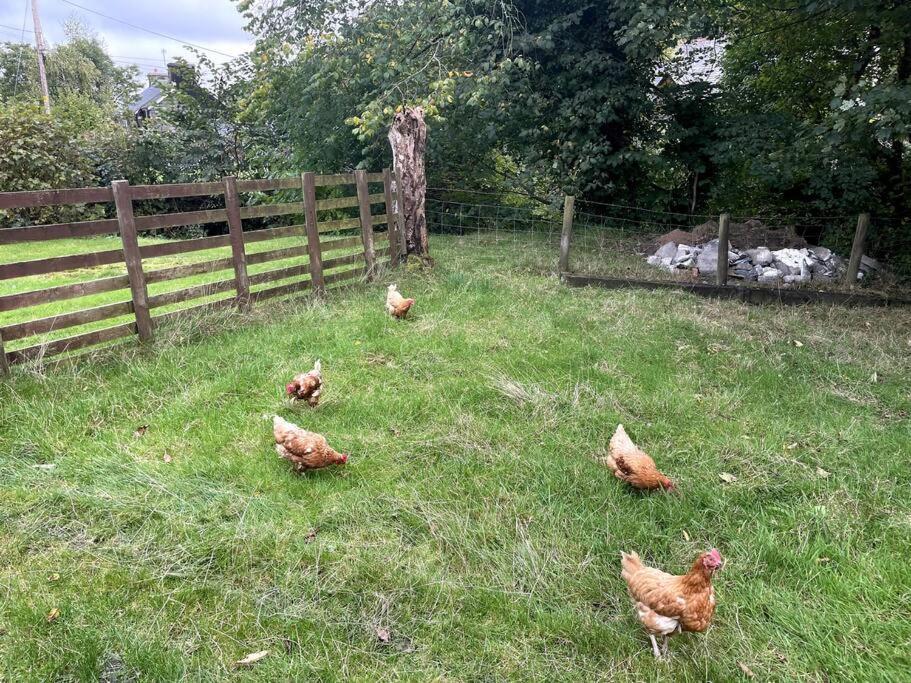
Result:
724,230
569,205
238,251
857,250
390,218
400,215
4,364
133,258
308,185
363,201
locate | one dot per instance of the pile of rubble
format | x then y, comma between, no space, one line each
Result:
794,261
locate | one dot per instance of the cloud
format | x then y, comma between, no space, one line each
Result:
214,24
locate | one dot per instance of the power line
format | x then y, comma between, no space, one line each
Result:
154,33
17,29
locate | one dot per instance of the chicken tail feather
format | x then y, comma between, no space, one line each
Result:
629,564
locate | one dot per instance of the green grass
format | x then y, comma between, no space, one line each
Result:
471,521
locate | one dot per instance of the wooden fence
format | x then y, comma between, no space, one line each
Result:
316,240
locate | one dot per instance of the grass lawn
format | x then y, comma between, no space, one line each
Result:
472,524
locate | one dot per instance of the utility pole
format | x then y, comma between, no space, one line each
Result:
39,45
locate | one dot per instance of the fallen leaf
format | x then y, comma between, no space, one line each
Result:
54,577
311,535
727,477
53,615
746,670
823,560
383,634
140,430
251,658
395,431
686,536
791,446
822,473
46,466
874,378
167,457
798,344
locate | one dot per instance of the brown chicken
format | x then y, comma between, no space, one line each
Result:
304,450
396,305
307,386
667,603
634,466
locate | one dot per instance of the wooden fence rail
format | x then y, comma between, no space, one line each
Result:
317,241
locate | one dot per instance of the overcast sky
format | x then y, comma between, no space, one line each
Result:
214,24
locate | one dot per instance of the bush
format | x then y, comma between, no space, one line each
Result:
38,152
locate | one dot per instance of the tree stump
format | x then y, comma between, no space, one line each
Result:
408,138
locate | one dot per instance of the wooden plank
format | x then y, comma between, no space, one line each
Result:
569,204
400,215
276,255
333,179
344,275
390,220
337,203
63,320
176,190
11,302
281,290
178,272
344,243
56,231
184,246
274,233
238,251
279,274
57,264
375,177
724,225
78,341
339,261
339,225
264,210
751,295
173,220
857,249
363,195
133,258
266,184
194,292
308,184
80,195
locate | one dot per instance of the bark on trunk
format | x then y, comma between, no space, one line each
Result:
408,138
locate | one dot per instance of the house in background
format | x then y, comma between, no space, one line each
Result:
155,96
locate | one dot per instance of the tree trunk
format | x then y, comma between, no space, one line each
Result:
408,138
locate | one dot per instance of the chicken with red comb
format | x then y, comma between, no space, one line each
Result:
666,603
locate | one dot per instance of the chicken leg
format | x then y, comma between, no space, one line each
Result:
654,646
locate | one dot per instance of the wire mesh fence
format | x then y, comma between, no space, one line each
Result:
621,241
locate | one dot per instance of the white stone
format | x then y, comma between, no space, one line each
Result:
667,251
761,256
770,275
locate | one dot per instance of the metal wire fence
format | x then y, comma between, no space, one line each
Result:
616,240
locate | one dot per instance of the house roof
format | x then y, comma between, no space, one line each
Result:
146,97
